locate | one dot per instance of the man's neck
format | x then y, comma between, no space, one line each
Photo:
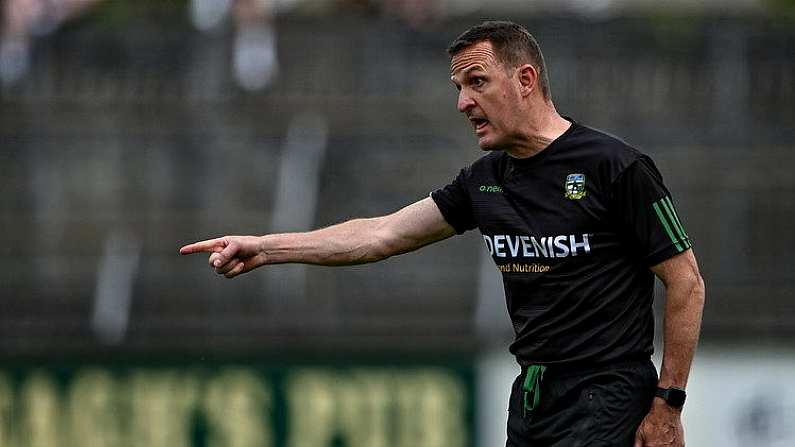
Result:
539,133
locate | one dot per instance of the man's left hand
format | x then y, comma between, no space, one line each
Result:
661,427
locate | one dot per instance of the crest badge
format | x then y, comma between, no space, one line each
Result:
575,186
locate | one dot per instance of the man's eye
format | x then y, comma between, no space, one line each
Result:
477,82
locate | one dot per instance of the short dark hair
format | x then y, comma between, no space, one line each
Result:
512,43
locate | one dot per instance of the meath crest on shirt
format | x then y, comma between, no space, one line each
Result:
575,186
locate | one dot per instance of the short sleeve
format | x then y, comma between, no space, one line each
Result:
646,213
454,203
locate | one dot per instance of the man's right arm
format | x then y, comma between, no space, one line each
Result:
356,241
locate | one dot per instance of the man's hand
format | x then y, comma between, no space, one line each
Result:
230,255
661,427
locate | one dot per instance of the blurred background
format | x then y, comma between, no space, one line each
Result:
129,128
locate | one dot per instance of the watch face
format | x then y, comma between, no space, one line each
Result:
676,397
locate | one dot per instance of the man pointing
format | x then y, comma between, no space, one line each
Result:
578,223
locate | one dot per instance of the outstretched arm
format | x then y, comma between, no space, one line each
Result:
357,241
684,304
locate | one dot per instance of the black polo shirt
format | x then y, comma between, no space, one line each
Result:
573,230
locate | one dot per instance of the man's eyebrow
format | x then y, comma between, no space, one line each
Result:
474,68
465,72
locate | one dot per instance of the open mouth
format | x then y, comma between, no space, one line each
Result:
479,123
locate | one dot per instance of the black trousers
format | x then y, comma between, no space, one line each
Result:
598,406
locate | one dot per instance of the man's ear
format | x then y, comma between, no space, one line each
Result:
528,79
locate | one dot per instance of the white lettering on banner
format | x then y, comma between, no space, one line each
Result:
325,405
92,408
6,409
545,247
161,407
239,392
38,424
359,407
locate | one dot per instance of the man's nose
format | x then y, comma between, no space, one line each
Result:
464,102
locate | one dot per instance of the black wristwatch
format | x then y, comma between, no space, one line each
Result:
674,397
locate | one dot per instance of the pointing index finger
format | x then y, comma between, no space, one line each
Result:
208,246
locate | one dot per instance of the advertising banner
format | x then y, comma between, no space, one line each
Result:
236,404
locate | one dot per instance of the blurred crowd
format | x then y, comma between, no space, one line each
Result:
254,59
25,20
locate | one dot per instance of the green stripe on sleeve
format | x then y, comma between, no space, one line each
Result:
666,226
678,222
674,223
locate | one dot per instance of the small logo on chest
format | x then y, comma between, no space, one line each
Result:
490,188
575,186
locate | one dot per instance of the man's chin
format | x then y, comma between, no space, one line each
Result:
488,145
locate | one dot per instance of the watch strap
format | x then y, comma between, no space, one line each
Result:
675,397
